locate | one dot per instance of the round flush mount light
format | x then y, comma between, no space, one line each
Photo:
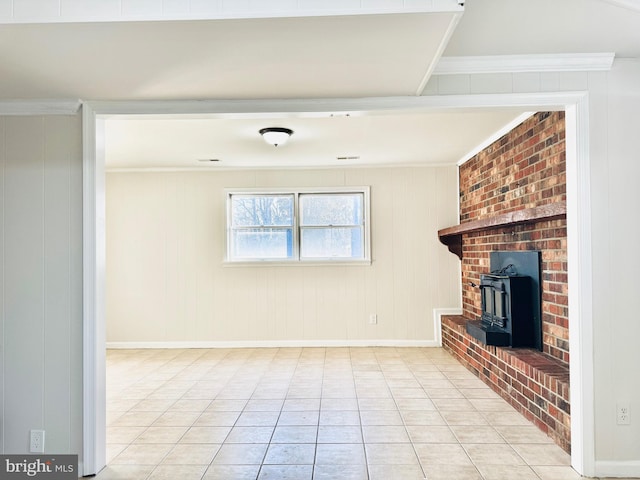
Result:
276,135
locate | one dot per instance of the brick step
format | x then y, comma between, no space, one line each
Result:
533,382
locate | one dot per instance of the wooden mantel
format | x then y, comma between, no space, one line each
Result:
452,236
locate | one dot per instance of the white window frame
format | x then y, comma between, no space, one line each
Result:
296,258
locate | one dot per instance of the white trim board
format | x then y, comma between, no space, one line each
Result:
579,235
574,62
618,469
325,107
116,11
437,321
218,168
580,276
275,344
39,107
93,325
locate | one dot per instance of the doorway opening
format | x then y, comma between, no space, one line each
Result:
575,106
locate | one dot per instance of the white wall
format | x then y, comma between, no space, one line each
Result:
616,222
614,103
166,244
41,282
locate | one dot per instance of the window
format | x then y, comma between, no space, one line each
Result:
319,225
261,226
331,225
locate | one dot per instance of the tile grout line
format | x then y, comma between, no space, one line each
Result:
396,369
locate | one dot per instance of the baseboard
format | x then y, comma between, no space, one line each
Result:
437,321
620,469
275,344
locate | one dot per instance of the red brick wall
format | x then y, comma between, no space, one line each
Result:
524,169
534,383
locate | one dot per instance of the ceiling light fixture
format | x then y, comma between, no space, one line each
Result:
276,135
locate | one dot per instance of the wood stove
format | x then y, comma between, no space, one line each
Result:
510,298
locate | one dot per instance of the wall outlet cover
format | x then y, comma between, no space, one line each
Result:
622,414
36,441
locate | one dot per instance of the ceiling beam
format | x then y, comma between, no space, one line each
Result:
59,11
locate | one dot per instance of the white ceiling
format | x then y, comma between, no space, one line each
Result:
382,139
343,56
519,27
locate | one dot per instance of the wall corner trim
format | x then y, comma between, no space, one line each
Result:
437,321
94,357
574,62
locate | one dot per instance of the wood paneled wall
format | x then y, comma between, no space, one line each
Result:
166,281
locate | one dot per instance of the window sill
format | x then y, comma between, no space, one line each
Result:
296,263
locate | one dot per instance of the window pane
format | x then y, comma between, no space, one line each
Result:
331,209
261,210
257,243
312,225
331,243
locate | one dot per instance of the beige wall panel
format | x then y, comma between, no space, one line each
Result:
166,280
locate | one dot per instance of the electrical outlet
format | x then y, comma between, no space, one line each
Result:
622,414
36,441
373,319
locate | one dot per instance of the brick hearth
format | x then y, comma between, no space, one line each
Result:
522,170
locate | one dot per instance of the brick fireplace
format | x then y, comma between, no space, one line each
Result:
513,197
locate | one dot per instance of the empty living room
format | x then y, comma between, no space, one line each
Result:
309,240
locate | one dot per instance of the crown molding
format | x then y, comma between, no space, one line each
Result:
574,62
39,107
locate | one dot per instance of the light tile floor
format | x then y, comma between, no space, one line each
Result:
314,413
